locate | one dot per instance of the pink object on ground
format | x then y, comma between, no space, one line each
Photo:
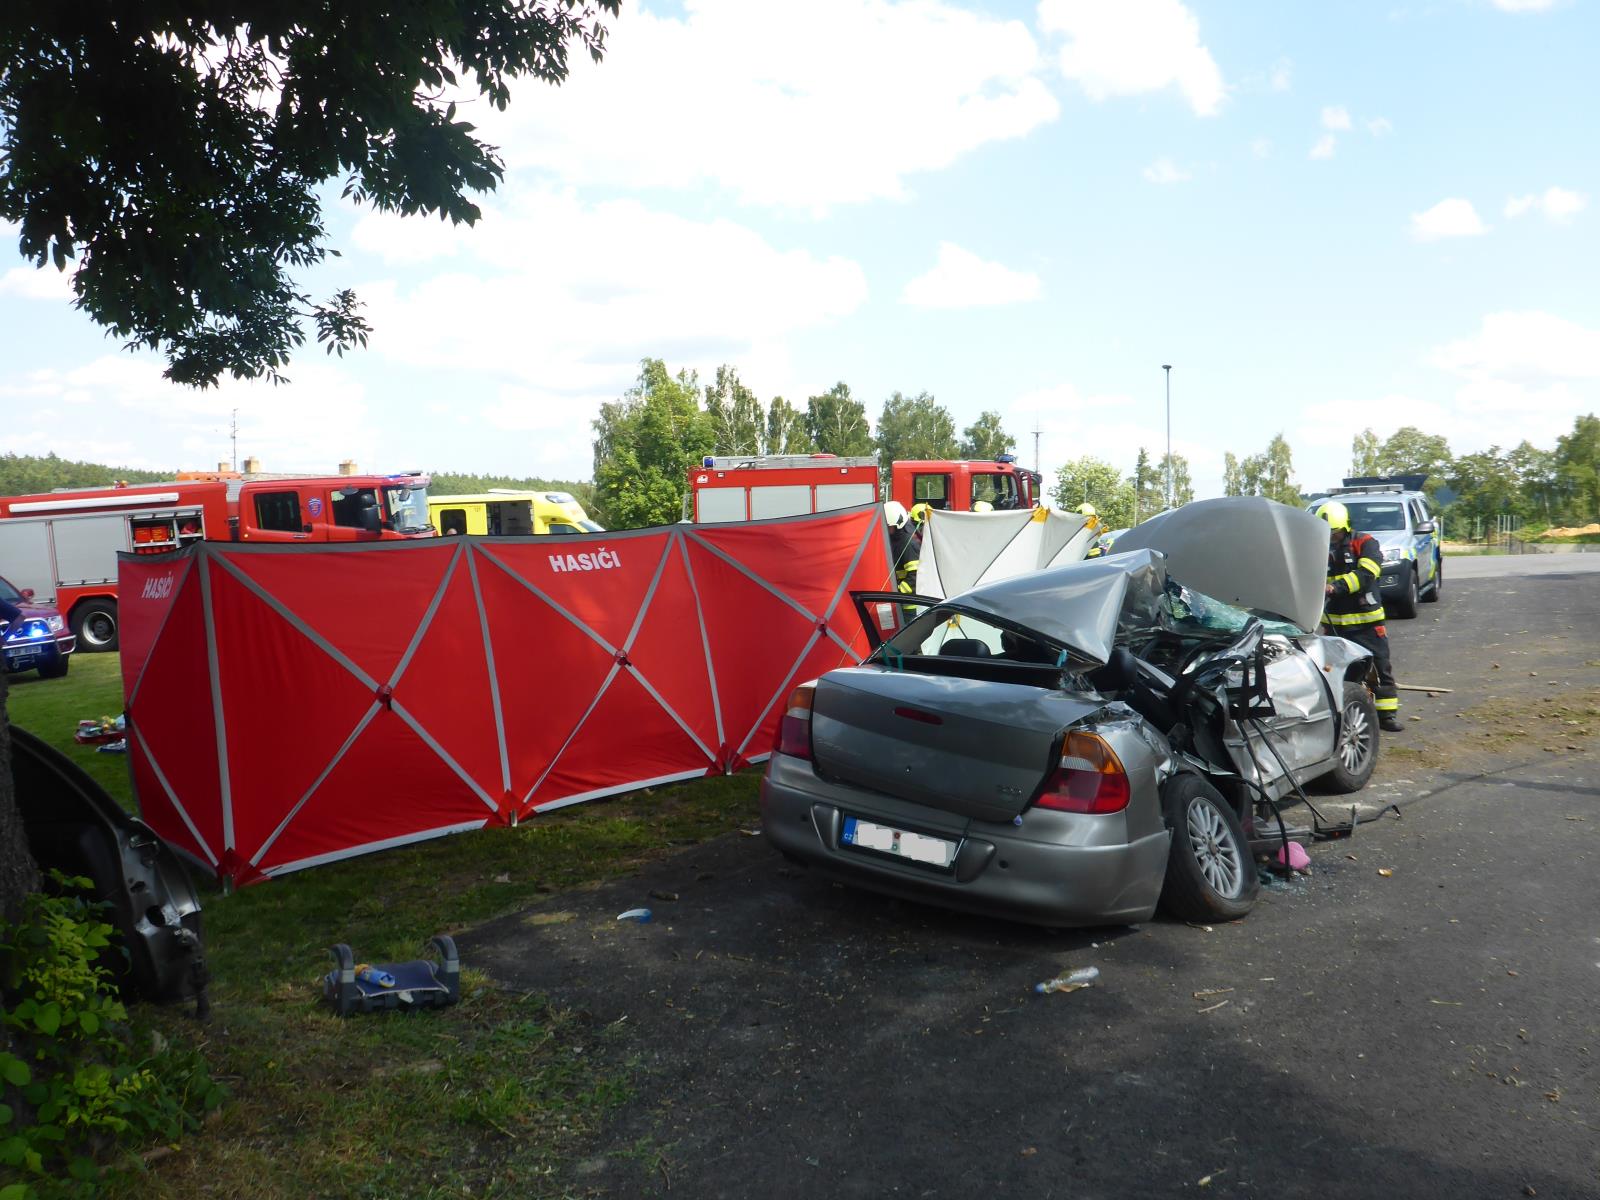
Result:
1297,859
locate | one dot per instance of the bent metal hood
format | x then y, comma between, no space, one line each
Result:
1078,606
1246,550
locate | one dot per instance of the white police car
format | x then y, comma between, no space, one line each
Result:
1410,534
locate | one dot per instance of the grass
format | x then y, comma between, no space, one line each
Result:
492,1097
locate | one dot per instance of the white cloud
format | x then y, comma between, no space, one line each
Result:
961,279
1449,218
1164,170
1336,117
1380,127
1324,147
1278,79
1261,147
801,106
552,302
1524,6
37,283
1528,346
1557,204
309,424
1132,47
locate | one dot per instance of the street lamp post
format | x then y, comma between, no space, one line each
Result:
1167,367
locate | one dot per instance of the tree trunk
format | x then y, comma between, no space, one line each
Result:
19,875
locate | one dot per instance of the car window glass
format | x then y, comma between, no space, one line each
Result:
1194,612
995,488
9,594
934,490
1377,516
278,510
948,633
348,505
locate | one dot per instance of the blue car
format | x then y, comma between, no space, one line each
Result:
33,636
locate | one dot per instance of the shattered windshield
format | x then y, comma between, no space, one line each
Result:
1191,612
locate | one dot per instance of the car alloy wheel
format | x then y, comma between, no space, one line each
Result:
1215,849
1355,738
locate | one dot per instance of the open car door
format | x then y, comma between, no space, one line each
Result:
884,614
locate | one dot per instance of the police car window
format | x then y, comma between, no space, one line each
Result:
1375,517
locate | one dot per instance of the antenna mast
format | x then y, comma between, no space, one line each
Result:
233,436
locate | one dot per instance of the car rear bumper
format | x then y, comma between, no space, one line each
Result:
1092,881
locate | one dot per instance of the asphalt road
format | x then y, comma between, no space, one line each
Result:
1431,1032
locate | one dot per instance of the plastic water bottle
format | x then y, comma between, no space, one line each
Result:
370,974
640,915
1070,982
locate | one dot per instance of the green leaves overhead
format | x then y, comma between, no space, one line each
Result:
174,151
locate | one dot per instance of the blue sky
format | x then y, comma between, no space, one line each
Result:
1326,216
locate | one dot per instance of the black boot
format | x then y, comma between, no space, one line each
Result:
1389,722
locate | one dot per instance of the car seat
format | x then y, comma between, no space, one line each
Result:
964,648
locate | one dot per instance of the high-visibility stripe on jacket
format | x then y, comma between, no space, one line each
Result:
1353,570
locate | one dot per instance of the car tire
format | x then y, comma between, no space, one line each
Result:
1438,582
56,669
95,624
1211,875
1356,755
1405,606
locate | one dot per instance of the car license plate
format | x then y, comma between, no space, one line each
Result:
918,847
19,661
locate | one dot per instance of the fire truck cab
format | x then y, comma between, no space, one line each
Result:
958,486
62,546
755,487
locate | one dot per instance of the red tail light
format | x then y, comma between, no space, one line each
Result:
1090,778
794,730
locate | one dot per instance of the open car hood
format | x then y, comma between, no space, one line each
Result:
1080,605
1249,551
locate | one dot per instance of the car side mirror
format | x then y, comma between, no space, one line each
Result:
1427,526
371,520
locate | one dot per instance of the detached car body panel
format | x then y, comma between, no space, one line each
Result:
74,827
1019,750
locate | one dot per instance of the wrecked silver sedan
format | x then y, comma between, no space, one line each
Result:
1078,745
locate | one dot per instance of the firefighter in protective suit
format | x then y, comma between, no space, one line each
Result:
1353,609
904,544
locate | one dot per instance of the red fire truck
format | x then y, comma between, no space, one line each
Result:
753,487
61,547
727,488
957,485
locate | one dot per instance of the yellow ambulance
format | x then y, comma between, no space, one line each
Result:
507,513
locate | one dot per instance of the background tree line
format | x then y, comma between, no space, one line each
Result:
647,441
